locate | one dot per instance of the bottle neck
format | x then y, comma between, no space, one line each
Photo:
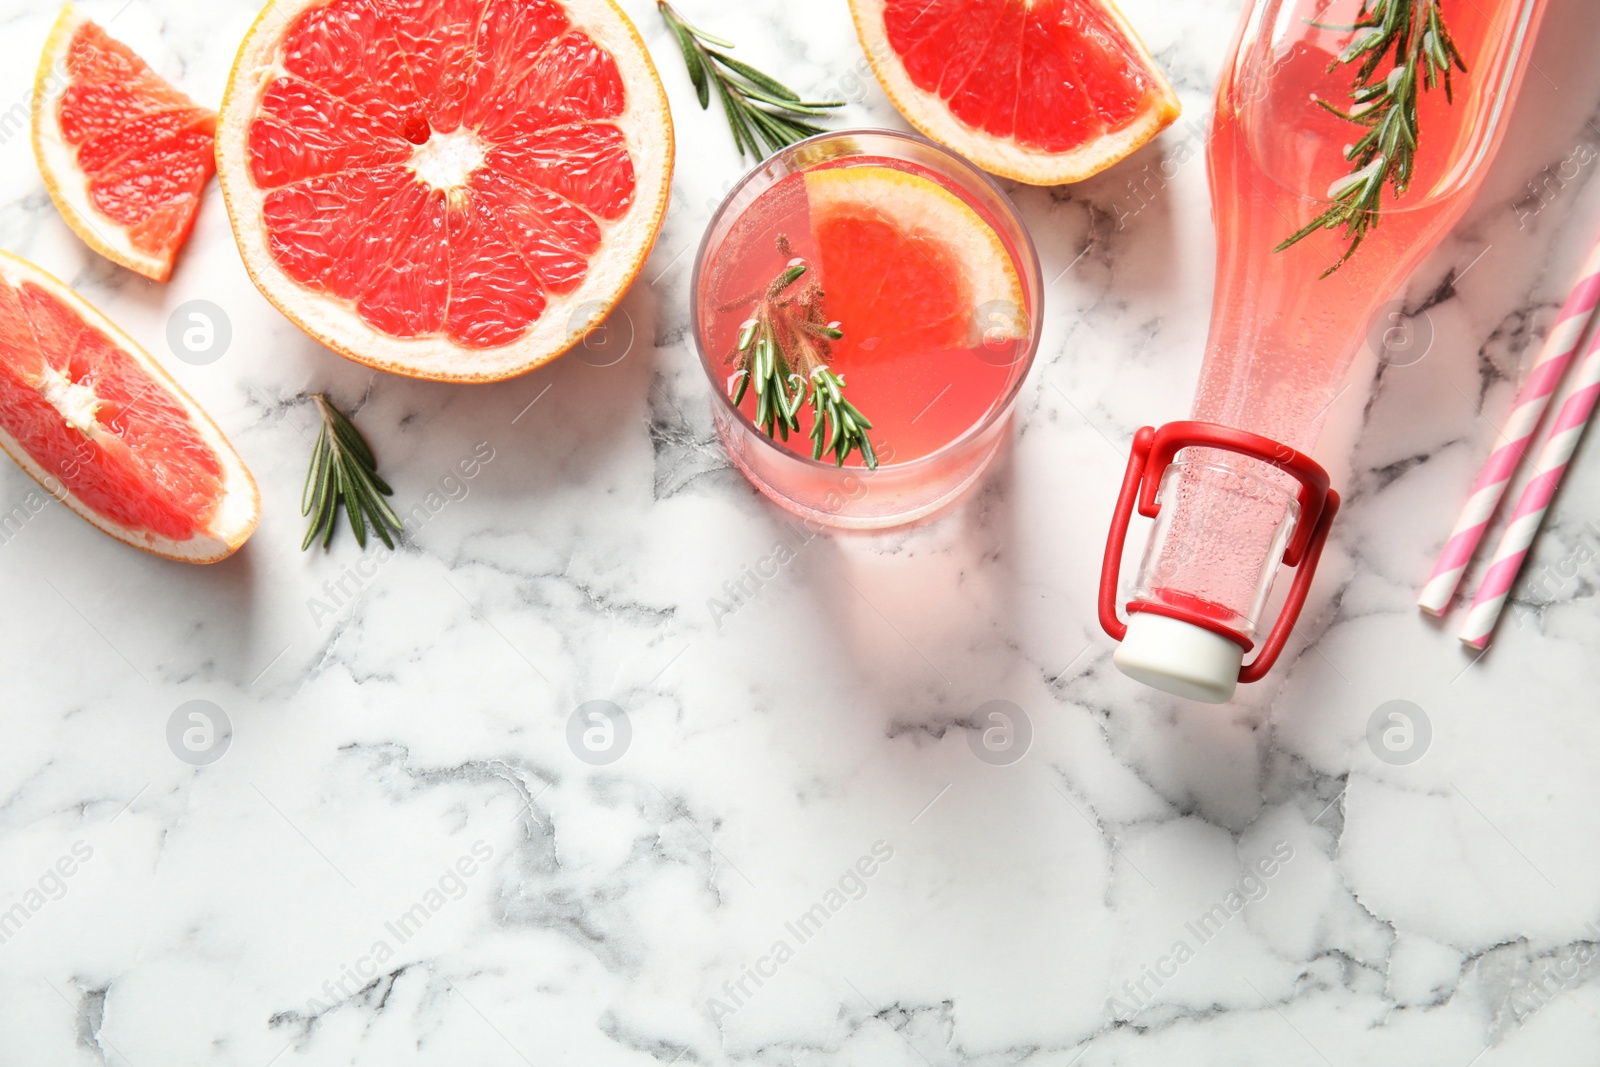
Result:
1219,538
1295,301
1192,577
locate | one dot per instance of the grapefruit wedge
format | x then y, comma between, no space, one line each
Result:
124,154
447,189
103,428
907,264
1043,91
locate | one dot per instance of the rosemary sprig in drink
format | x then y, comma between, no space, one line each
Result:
344,472
783,350
1411,36
849,426
758,106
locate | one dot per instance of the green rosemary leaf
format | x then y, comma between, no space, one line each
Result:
1348,116
368,503
756,77
789,276
764,362
695,31
1326,220
829,333
313,530
795,105
328,479
352,507
735,111
383,534
383,488
692,60
335,502
372,497
353,446
313,474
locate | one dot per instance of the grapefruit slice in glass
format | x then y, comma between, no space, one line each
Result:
103,428
448,189
124,154
1043,91
911,272
904,254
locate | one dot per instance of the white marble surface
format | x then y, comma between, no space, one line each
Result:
240,913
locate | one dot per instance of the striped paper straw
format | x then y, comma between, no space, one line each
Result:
1565,433
1516,437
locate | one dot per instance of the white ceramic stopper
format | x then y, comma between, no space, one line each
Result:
1179,658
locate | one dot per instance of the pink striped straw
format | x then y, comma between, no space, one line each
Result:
1565,432
1516,437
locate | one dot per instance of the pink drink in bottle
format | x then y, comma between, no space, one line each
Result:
1314,92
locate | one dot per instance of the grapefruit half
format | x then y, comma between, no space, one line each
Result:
447,189
1043,91
97,422
124,155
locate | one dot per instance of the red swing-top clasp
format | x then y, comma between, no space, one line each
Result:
1153,451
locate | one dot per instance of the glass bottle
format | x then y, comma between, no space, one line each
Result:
1312,94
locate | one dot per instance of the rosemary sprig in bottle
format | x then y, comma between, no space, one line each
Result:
783,350
1400,47
758,106
344,472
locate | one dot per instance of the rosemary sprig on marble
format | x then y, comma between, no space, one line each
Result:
344,472
1400,47
758,106
783,349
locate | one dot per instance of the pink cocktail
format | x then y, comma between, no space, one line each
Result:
896,275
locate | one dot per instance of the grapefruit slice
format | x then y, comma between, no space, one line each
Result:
124,154
1043,91
447,189
102,427
908,266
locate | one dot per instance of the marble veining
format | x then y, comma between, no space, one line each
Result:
421,845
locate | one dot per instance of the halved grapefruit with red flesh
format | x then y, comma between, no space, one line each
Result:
124,154
1043,91
102,427
447,189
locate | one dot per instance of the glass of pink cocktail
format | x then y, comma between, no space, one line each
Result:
867,306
